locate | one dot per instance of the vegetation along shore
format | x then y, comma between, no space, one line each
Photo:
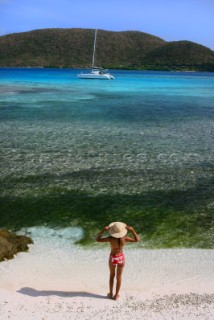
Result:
72,48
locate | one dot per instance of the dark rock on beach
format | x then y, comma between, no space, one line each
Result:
10,244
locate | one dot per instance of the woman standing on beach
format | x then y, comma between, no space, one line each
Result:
117,240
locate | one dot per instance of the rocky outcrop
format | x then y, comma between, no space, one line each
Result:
10,244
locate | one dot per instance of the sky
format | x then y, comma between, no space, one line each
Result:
171,20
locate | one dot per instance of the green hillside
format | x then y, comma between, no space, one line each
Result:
181,55
73,48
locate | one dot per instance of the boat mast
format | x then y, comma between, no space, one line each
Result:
95,39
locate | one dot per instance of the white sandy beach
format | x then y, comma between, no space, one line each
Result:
58,280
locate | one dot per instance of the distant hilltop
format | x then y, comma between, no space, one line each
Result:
72,48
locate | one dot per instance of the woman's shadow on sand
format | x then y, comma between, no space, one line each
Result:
44,293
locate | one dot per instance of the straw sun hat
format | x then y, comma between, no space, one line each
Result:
117,229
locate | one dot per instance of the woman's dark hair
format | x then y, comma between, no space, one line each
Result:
118,240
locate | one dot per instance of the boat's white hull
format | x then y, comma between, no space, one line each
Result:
106,76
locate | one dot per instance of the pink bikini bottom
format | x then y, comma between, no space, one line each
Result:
117,259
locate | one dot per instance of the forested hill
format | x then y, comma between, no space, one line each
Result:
129,49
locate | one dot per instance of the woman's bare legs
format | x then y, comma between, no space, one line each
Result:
119,280
111,279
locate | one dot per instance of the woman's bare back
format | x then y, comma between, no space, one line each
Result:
117,245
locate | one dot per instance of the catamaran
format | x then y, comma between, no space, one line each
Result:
96,73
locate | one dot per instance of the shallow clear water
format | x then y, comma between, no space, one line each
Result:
83,153
143,131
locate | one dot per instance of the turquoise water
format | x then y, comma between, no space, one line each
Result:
143,132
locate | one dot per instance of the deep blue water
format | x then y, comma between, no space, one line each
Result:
142,131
